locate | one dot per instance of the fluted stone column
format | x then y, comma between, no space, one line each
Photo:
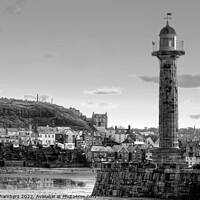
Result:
168,103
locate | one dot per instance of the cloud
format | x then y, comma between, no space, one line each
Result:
15,8
195,116
184,81
29,97
149,79
189,81
51,54
103,105
43,97
98,105
106,105
89,105
104,91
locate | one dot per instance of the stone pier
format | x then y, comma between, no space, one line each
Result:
151,181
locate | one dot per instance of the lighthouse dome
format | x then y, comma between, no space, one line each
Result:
167,30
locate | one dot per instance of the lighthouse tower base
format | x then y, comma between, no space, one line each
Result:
167,156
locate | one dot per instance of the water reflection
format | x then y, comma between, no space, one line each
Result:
37,183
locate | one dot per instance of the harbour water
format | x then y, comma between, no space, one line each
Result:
53,184
47,184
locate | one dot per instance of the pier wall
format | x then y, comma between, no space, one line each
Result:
132,180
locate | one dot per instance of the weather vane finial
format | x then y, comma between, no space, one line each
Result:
168,17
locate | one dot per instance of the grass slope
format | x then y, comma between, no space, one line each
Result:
18,113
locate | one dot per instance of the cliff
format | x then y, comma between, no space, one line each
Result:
18,113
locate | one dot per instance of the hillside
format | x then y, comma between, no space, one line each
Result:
18,113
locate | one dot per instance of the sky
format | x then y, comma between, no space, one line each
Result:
95,56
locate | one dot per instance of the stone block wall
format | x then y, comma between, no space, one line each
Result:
120,180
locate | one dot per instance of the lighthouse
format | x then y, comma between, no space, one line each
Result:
168,50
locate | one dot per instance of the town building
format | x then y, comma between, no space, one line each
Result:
135,153
152,140
128,141
99,154
110,133
121,153
146,133
5,139
2,131
110,154
122,133
13,131
192,153
101,131
69,136
93,139
34,139
100,120
46,135
147,148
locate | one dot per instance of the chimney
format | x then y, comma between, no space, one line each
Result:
37,97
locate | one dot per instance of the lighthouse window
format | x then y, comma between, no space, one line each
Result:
164,42
171,43
167,42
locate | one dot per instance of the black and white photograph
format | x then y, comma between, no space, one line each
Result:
99,99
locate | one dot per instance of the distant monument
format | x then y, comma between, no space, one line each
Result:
168,51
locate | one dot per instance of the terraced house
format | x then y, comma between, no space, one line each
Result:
46,135
122,133
135,153
121,153
93,139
